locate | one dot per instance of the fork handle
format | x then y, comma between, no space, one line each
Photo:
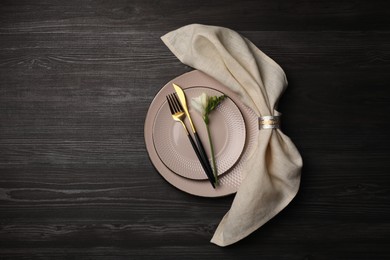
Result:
203,154
203,162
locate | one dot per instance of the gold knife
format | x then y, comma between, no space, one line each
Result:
182,98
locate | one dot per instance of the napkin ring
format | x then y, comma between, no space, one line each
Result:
269,122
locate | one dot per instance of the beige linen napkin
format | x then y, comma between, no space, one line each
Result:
272,171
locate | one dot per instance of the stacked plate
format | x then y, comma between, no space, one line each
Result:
233,128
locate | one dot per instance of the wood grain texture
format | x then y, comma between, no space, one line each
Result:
77,78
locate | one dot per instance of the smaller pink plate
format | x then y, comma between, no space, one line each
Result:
227,129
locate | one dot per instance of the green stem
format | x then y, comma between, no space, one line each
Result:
212,155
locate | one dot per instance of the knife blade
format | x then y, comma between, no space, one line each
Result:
182,97
183,101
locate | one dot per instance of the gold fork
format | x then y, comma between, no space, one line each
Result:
178,115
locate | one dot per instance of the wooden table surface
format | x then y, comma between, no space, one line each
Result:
77,78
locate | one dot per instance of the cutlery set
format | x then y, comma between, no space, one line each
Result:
179,110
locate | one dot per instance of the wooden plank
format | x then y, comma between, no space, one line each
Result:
239,15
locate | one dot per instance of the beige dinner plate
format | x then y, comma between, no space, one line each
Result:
228,181
227,130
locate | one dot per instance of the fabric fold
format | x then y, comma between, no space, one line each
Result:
272,171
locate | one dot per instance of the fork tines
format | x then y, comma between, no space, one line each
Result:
174,103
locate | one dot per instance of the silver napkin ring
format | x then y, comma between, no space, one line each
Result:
269,122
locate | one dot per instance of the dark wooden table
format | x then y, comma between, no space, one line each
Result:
77,78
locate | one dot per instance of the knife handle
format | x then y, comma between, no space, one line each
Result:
209,173
203,154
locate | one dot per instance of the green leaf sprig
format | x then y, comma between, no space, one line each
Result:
205,105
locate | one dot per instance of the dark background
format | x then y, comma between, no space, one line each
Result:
76,80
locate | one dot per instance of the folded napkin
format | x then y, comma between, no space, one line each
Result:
272,171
